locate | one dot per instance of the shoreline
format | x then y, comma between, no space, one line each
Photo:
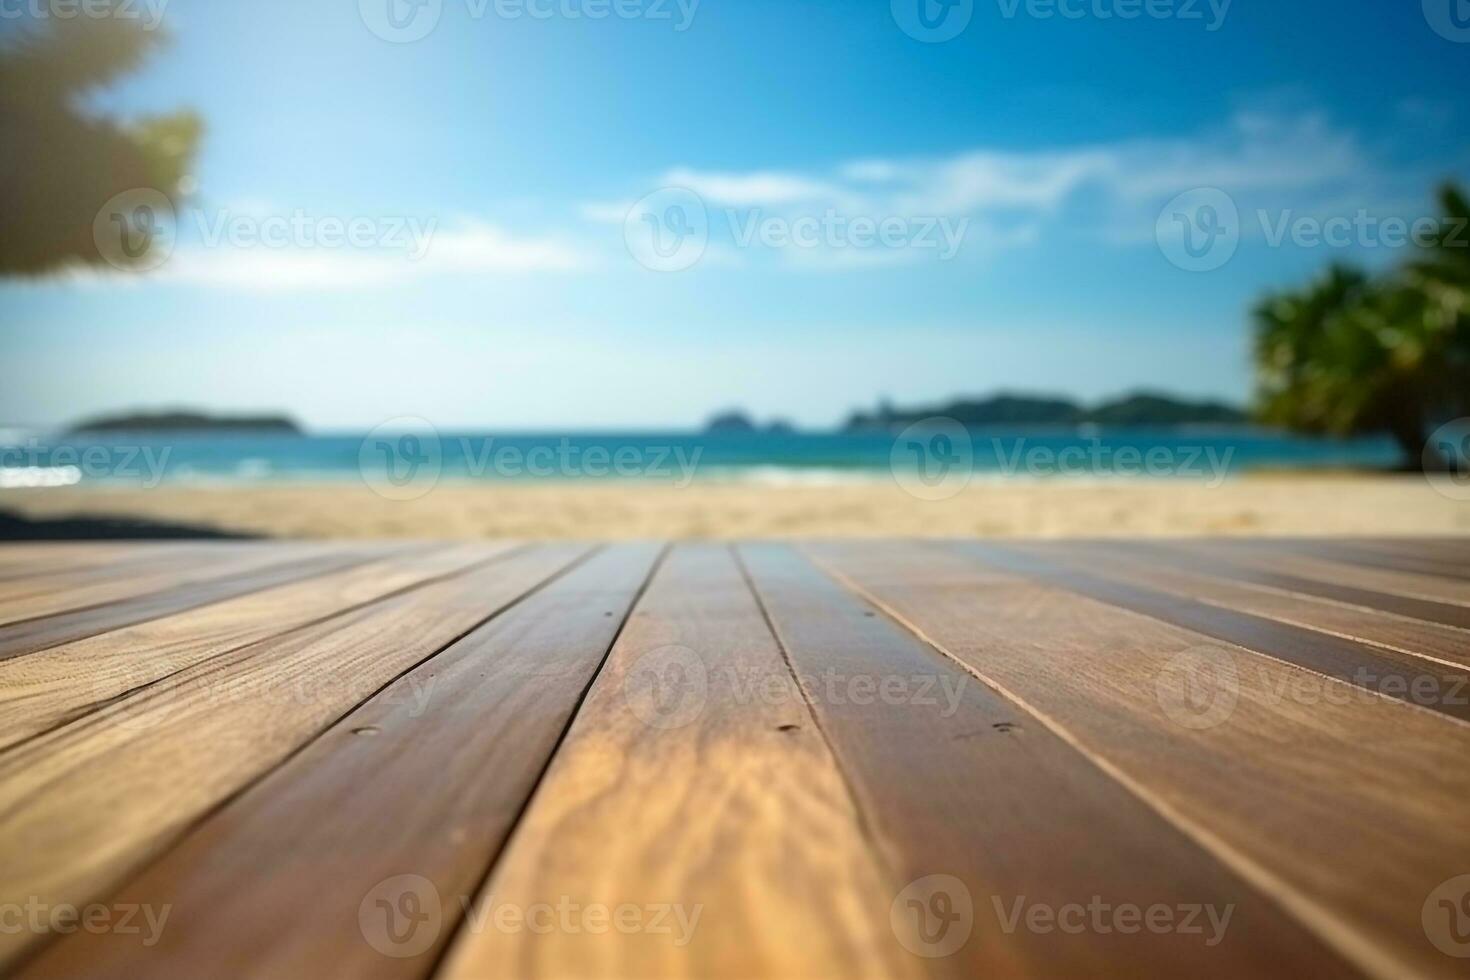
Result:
733,476
1274,503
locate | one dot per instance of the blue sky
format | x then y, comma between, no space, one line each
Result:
517,144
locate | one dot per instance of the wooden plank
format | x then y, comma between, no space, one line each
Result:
1424,683
1423,597
1142,566
22,560
53,686
43,574
272,884
977,789
1453,549
84,806
1346,807
679,788
1359,553
1261,553
30,636
150,574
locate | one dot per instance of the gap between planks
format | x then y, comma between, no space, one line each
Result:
1321,915
117,813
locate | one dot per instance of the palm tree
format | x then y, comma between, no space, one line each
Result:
1350,354
1443,276
62,164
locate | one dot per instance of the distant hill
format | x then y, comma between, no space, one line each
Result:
1151,409
730,422
1137,410
738,421
187,422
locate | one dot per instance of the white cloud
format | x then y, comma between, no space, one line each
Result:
981,181
1106,191
479,247
470,247
1007,200
763,187
1258,151
1254,151
275,269
607,212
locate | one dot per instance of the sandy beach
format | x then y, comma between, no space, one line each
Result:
1254,505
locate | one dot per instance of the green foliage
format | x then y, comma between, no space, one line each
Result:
1351,354
63,163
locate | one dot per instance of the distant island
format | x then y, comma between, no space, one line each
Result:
1142,409
737,421
187,422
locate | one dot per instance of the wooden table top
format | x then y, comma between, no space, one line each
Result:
502,760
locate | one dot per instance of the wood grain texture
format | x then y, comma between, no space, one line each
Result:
1344,806
716,818
29,636
1406,558
26,560
1422,682
83,805
1425,597
53,686
426,777
973,787
1272,553
1140,566
887,759
42,574
1453,549
159,572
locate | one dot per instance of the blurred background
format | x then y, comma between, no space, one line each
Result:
616,268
